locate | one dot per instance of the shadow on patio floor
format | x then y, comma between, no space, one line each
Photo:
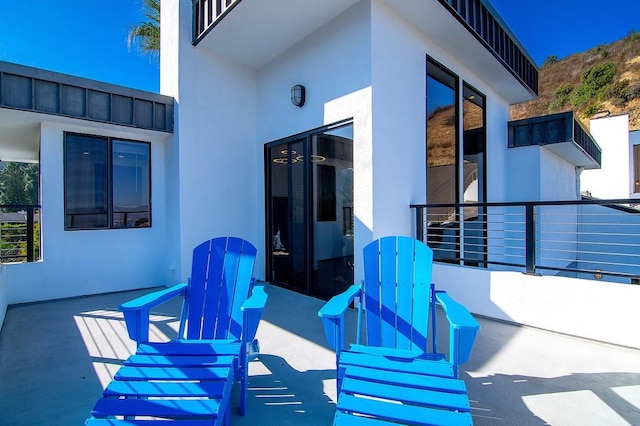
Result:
55,358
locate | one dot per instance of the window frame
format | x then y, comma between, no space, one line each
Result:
636,168
109,141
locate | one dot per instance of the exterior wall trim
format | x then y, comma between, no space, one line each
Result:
47,92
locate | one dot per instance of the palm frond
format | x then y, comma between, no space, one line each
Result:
145,36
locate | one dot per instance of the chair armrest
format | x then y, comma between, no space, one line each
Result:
136,311
252,309
463,328
339,303
332,314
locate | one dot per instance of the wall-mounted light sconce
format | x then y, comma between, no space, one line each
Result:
298,95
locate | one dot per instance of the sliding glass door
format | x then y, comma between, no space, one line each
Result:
310,211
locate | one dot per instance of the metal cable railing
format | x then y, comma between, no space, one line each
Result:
584,238
19,233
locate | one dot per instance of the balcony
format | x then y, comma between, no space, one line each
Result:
255,32
222,26
561,134
56,357
19,233
591,239
483,21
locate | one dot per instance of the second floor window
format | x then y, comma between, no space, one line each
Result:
107,182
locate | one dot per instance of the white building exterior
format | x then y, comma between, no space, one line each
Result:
361,62
615,178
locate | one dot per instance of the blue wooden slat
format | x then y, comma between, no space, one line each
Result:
216,293
417,377
372,292
172,373
345,419
229,288
199,408
242,290
405,303
116,422
409,365
421,294
199,270
178,360
211,389
191,347
388,282
403,413
406,395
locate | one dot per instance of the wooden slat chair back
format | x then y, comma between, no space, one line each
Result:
219,285
397,293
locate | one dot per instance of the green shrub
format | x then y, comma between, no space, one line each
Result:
598,76
617,93
633,35
582,95
594,83
562,98
591,110
601,50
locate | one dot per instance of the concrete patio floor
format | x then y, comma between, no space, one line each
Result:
56,357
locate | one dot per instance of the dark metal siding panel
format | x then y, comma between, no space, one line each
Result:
169,117
143,113
47,96
99,106
17,91
73,101
122,109
160,116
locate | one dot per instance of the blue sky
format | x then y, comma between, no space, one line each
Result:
563,27
88,38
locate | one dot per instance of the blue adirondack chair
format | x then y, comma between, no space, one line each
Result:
221,310
391,356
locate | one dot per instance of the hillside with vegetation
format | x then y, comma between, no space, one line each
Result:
603,80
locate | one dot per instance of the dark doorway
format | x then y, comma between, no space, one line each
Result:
309,188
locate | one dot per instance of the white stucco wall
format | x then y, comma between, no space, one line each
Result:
614,178
586,308
213,160
86,262
334,64
634,139
558,178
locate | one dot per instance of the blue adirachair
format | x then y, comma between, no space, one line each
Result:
391,358
222,306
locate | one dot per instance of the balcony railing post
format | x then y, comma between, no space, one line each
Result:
420,218
530,239
30,234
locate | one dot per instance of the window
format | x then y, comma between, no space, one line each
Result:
636,169
455,165
442,141
107,182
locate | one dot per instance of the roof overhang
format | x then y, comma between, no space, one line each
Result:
277,25
254,32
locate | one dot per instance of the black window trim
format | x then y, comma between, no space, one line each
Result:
109,140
